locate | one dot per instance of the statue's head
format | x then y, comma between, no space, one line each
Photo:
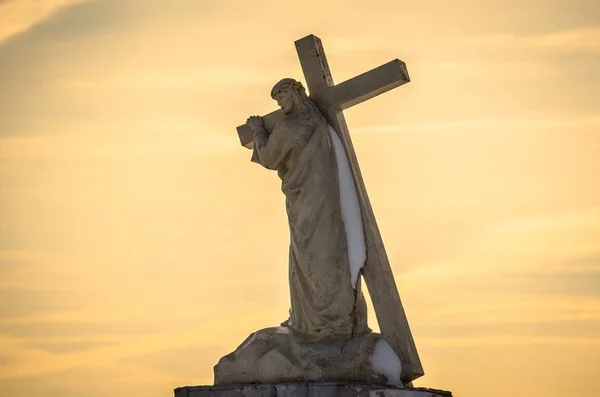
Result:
289,94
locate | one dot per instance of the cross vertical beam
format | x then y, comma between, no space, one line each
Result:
330,100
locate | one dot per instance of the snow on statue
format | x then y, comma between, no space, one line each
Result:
326,336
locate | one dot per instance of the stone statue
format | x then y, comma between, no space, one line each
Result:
326,302
326,336
325,347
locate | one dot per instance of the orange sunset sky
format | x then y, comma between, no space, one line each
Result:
138,244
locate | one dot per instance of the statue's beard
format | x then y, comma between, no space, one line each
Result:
290,110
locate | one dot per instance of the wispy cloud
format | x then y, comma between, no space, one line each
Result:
144,139
580,39
18,16
508,340
66,347
524,281
522,246
129,344
480,125
179,79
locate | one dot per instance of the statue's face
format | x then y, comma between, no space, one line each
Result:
285,101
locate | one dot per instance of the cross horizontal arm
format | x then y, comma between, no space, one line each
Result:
246,135
368,85
344,95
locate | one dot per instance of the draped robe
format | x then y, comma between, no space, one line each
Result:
324,303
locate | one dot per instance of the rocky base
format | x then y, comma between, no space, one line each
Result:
277,354
307,389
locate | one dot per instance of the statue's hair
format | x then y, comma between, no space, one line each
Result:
285,84
306,107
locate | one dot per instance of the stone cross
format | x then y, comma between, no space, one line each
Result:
332,99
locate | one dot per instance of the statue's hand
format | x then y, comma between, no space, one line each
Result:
255,123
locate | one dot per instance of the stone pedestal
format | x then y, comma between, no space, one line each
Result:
280,355
308,389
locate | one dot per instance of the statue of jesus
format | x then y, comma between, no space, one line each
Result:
327,245
326,337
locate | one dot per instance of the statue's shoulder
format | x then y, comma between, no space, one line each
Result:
283,124
293,123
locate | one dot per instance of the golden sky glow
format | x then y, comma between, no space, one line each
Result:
138,244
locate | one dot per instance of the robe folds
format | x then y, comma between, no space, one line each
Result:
324,302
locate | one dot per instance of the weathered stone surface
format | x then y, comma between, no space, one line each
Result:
307,390
326,301
377,271
331,99
280,355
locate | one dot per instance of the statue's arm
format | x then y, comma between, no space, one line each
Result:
271,149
